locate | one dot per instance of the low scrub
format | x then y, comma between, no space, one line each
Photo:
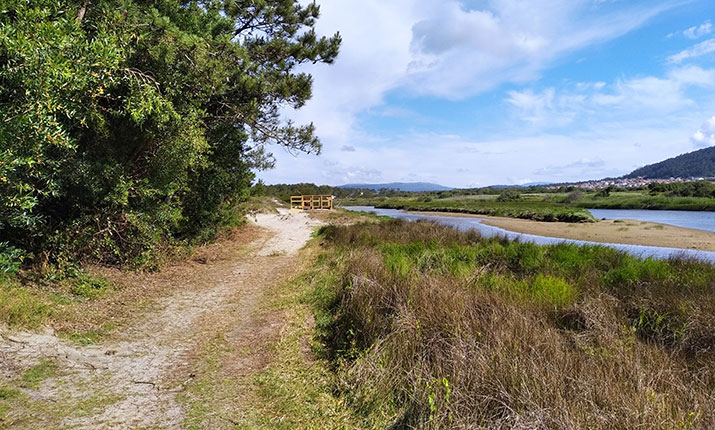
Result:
429,327
533,210
656,202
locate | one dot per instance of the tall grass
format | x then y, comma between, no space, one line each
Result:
432,328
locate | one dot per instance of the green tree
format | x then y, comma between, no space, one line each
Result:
509,195
605,192
129,124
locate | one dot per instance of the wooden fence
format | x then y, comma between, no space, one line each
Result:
311,202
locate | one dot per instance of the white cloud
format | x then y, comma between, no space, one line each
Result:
702,48
458,161
373,59
625,98
593,168
699,31
545,108
705,136
651,93
460,52
443,49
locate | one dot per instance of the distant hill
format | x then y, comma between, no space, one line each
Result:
527,185
536,184
694,164
400,186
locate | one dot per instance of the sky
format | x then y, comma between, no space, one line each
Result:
473,93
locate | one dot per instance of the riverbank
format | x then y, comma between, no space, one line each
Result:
630,232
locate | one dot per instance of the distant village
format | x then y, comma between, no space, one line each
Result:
638,182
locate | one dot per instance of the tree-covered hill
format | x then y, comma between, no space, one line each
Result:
694,164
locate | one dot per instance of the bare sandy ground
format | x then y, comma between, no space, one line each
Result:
134,379
629,232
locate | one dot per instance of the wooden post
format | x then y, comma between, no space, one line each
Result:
311,202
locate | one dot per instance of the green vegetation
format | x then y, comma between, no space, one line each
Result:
33,376
695,196
132,126
428,327
20,307
643,201
566,205
509,195
293,391
520,208
296,390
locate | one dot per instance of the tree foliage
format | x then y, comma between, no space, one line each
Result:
129,124
509,195
684,189
694,164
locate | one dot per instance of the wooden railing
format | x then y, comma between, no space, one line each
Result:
311,202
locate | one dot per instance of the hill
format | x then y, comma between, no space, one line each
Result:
696,164
400,186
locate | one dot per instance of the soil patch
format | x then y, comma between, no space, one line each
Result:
133,377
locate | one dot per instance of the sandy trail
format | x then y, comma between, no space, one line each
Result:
135,378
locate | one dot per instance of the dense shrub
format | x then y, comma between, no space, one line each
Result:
129,124
509,195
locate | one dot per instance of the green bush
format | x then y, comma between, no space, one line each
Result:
509,195
130,128
10,260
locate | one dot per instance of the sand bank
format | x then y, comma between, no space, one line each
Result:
630,232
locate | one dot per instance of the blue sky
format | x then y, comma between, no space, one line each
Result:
472,93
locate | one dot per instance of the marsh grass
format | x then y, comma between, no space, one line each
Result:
428,327
538,210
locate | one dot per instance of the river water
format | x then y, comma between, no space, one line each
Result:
475,223
688,219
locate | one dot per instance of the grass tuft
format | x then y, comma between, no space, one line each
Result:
431,328
33,376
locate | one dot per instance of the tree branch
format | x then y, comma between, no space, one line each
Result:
81,12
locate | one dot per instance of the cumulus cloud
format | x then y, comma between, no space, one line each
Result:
373,60
455,49
546,108
699,31
706,135
639,97
460,161
460,51
702,48
444,48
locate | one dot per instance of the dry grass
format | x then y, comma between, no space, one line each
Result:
432,328
125,294
339,216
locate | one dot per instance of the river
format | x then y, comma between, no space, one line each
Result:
698,220
475,223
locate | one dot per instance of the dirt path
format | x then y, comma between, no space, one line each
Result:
134,380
